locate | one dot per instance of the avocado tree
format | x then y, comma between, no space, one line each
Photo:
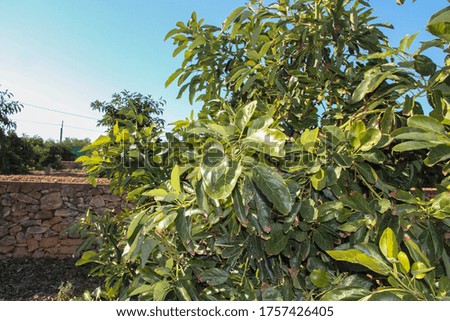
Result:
303,175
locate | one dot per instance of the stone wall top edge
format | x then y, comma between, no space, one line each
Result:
3,182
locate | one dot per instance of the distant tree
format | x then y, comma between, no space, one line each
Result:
127,105
13,151
16,154
7,108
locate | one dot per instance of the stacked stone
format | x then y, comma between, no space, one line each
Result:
34,217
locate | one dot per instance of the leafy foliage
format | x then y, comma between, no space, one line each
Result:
302,177
16,154
130,152
7,108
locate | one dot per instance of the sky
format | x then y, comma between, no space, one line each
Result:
64,54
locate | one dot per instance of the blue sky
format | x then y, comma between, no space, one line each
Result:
62,54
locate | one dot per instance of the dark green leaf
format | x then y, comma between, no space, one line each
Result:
307,210
238,205
323,239
147,248
273,187
424,65
271,294
349,293
214,276
383,296
438,154
277,242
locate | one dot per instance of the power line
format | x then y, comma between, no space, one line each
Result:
58,111
54,124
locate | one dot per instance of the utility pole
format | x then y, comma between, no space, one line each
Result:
61,132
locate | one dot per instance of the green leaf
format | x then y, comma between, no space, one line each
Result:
101,140
220,175
419,270
238,205
334,134
308,139
438,154
372,80
320,278
88,257
404,262
145,288
407,41
236,12
415,252
427,123
277,242
322,238
272,185
369,139
199,41
418,134
263,213
183,227
244,115
219,182
358,257
308,211
319,180
424,65
267,140
173,76
388,245
147,248
357,202
161,289
166,221
159,192
262,122
383,296
214,276
271,294
349,293
439,24
135,223
367,172
175,179
412,145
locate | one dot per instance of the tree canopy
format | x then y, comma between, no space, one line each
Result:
305,174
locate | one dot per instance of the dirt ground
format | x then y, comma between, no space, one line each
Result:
41,279
66,176
29,279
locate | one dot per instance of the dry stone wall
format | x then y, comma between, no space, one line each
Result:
34,216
